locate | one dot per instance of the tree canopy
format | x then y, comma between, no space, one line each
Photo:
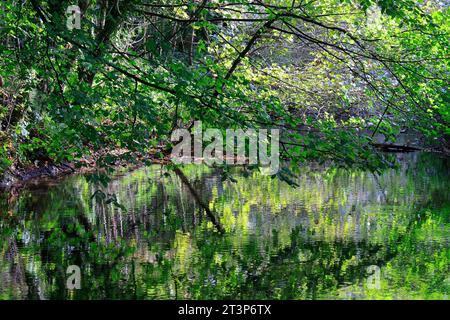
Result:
331,74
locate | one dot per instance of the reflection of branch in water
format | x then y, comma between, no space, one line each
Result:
377,181
197,198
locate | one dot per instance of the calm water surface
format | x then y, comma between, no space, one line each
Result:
341,234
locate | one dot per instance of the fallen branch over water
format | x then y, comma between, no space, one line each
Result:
389,147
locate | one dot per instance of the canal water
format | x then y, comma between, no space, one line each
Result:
341,234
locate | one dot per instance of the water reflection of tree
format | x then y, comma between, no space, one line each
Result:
297,243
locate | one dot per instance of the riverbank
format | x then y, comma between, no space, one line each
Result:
16,178
20,177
